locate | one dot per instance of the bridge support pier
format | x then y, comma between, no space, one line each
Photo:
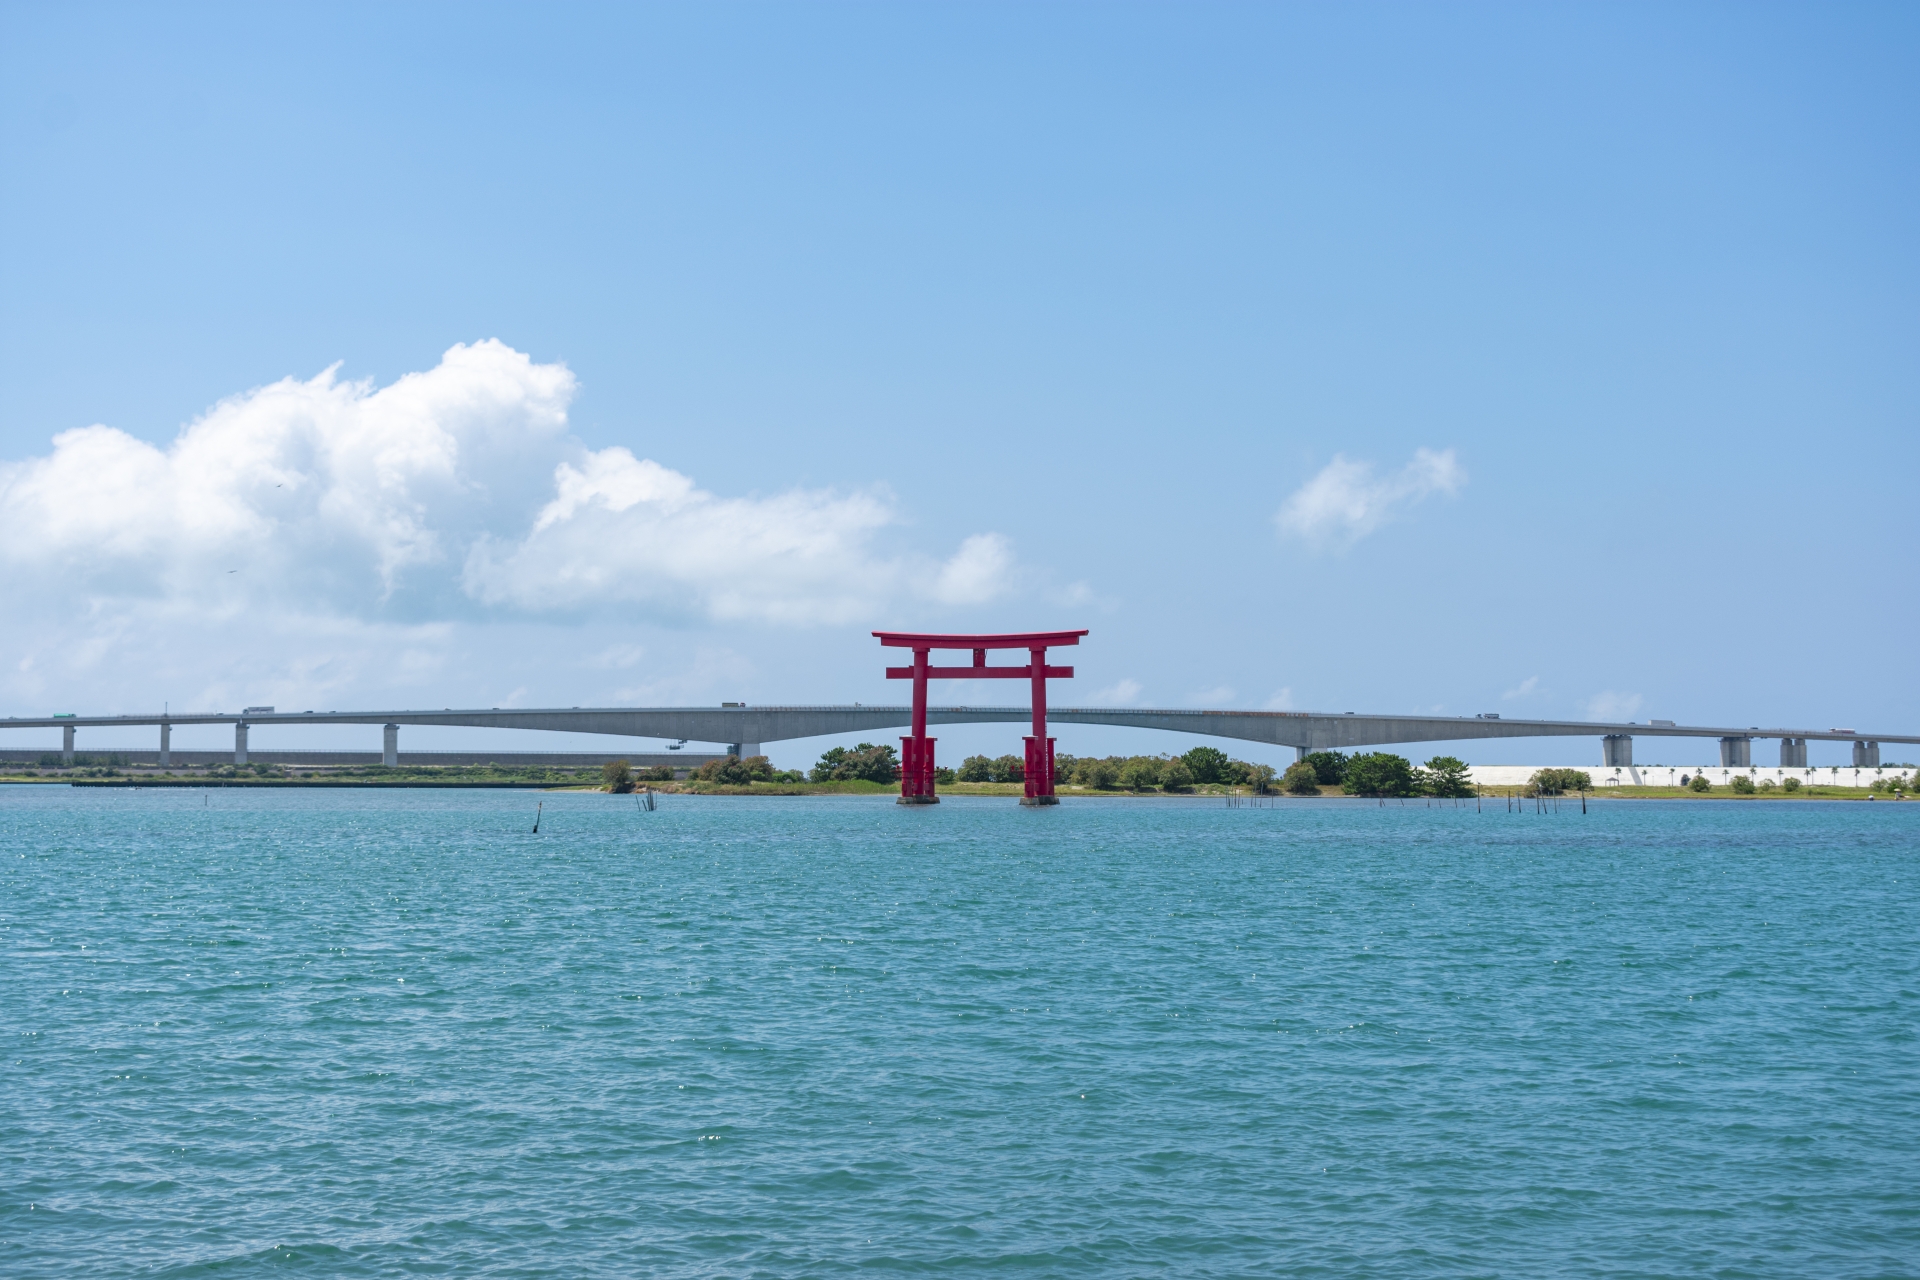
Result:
1736,753
240,742
1299,754
390,745
66,744
1866,755
1616,751
1793,753
166,745
744,749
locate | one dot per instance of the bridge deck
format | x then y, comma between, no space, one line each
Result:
1304,729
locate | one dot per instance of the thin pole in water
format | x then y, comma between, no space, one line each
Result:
536,817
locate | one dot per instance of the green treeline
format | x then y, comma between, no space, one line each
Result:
1380,773
1202,766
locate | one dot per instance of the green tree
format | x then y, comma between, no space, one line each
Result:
1300,779
865,762
618,776
1141,773
1700,783
1446,777
1328,766
976,769
1101,774
1176,776
942,776
1258,776
1790,784
735,772
1553,782
1742,784
1008,769
1378,773
1207,764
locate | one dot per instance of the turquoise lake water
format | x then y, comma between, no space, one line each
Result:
386,1033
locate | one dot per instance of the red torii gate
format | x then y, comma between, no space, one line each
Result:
916,752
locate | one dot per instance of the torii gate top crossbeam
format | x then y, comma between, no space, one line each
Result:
1024,640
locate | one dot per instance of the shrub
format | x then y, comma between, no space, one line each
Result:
658,773
1142,773
1258,776
1379,773
1766,784
1447,777
1103,774
975,769
1790,784
1552,782
1300,779
735,772
1064,767
865,762
1008,769
1328,766
1742,784
618,776
1207,764
1176,776
1700,783
942,776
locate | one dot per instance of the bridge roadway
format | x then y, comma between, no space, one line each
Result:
745,729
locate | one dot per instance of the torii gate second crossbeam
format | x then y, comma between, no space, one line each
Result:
916,751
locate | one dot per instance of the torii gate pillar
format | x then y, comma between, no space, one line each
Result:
916,750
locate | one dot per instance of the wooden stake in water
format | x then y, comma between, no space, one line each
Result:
536,817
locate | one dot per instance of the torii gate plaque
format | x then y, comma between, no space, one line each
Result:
916,752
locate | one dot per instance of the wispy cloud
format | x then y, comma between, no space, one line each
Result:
1282,700
1218,696
1121,694
616,657
1346,501
1613,707
1523,689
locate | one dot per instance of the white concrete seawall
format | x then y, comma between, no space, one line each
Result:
1515,775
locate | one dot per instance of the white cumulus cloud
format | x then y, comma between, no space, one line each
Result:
314,490
1346,501
453,491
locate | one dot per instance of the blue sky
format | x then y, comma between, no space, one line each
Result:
1547,360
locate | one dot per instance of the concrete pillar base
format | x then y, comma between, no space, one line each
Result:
1616,751
390,745
166,745
917,800
1736,753
1866,755
1793,753
240,743
1039,801
66,744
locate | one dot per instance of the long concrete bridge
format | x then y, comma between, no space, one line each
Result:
744,730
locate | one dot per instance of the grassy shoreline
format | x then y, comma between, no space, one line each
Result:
583,779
